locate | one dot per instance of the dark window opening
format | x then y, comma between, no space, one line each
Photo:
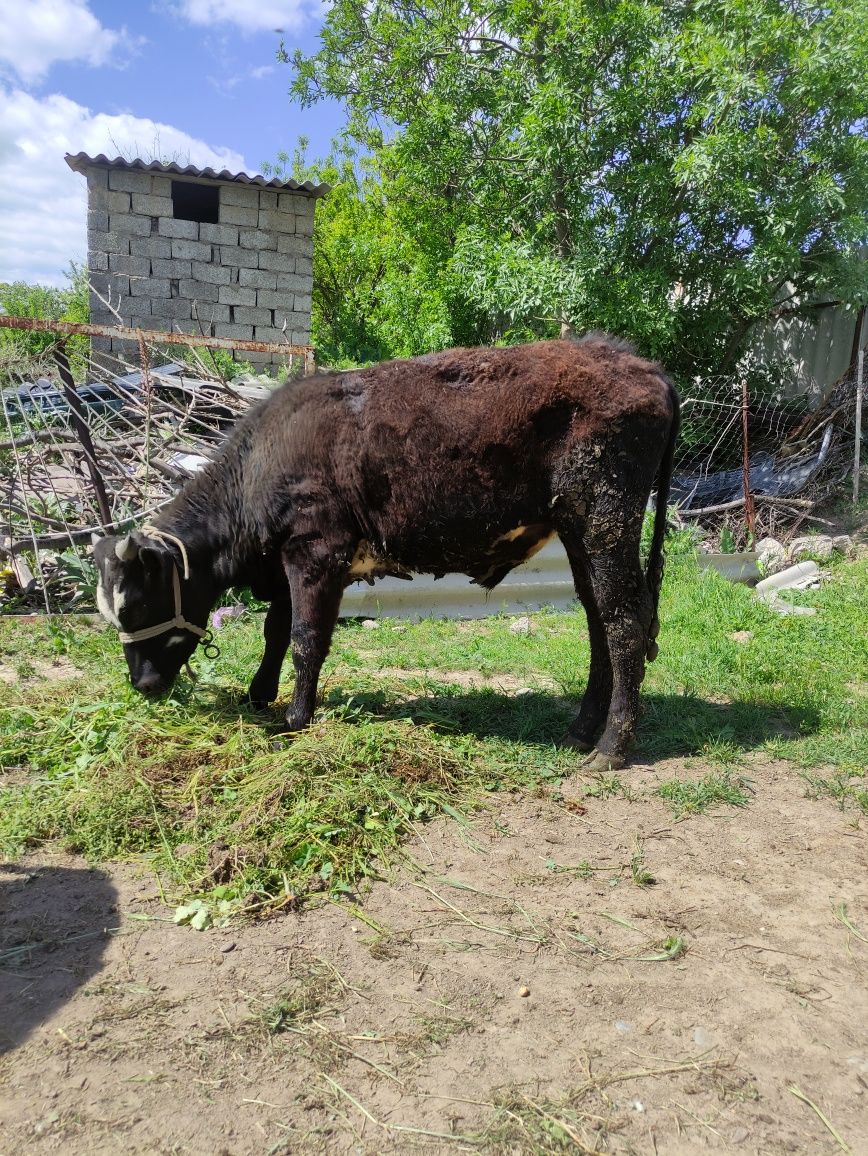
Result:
195,202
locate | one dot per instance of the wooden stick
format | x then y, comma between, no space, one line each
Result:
83,432
796,503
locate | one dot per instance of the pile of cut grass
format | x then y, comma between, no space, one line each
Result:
226,806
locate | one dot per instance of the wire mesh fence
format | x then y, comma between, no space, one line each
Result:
750,466
89,448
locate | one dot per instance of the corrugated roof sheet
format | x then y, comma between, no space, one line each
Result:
81,162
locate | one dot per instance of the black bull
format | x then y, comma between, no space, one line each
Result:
465,461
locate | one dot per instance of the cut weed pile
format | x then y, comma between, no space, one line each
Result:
229,808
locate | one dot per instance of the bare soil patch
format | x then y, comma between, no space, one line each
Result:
469,679
38,669
510,990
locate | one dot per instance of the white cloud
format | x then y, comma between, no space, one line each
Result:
262,16
35,34
43,203
262,71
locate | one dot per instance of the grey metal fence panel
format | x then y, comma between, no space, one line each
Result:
815,349
545,580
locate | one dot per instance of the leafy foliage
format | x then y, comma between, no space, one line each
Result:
675,173
20,299
377,291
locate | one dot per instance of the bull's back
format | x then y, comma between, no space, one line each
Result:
501,418
528,393
455,458
449,461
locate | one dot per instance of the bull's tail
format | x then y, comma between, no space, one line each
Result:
654,567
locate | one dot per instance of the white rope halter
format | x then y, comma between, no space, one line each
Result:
179,622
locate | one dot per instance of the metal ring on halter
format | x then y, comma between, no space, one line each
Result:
212,650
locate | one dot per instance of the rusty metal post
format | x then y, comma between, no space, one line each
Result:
83,432
309,363
749,508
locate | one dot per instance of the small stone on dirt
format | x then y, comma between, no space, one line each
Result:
522,625
819,546
227,947
703,1038
524,992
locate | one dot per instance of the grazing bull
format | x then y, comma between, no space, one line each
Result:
466,461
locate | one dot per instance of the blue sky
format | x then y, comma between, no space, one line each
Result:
196,80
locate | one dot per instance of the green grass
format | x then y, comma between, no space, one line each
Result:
228,808
847,786
693,796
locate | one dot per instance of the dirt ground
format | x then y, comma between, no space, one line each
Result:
513,989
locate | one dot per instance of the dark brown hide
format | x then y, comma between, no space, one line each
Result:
463,461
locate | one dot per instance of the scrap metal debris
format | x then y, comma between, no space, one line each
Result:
98,457
796,457
802,576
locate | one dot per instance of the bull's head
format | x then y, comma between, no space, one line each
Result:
159,615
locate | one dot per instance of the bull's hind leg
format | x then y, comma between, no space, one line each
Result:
586,726
624,603
278,625
315,605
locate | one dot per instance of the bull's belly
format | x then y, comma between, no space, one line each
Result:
484,559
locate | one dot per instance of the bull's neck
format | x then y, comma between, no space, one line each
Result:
215,537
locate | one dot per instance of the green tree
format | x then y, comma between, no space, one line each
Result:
25,299
376,292
675,172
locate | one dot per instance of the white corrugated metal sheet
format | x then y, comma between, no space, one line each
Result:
81,162
545,580
814,350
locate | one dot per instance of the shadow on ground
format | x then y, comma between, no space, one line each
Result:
671,726
54,925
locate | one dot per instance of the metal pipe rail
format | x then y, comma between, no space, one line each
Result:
153,336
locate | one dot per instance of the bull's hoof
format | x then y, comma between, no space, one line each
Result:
259,697
599,763
296,722
575,742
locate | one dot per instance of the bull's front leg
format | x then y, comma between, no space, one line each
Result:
316,600
278,625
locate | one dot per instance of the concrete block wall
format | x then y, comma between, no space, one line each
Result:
248,277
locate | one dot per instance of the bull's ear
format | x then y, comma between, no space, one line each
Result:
153,556
126,549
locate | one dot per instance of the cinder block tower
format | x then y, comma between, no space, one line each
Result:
197,251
